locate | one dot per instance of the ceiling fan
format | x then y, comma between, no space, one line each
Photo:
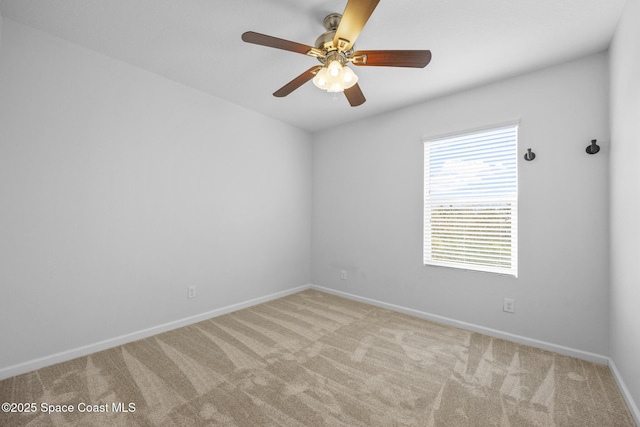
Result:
335,48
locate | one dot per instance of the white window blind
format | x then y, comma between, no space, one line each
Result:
471,201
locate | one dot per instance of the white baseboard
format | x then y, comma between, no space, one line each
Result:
633,407
123,339
64,356
567,351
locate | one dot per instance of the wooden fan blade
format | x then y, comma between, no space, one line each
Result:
354,95
355,16
392,58
297,82
270,41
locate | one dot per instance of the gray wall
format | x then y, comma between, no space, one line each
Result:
118,189
367,208
625,198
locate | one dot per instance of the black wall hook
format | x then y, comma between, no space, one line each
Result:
529,155
593,148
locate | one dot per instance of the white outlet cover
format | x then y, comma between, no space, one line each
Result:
508,305
191,292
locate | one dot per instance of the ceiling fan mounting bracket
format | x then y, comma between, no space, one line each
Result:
332,21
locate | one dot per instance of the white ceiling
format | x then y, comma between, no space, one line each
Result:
197,43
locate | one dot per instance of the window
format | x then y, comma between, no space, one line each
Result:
471,201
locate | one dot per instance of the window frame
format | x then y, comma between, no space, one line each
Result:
512,201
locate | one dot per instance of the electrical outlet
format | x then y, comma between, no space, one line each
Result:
509,305
343,274
191,292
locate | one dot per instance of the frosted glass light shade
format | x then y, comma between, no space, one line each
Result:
335,77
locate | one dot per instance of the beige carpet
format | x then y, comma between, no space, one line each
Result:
313,359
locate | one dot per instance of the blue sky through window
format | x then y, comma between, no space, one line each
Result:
480,165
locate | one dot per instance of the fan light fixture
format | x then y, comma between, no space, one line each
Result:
335,49
335,77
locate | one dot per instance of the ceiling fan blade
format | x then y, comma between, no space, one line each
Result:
392,58
355,16
297,82
354,95
270,41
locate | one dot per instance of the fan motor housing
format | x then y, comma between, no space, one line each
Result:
330,22
325,40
